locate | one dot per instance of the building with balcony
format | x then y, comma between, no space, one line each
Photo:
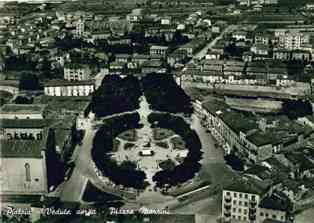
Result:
252,201
240,201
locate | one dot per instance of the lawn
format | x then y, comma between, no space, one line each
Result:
178,143
116,144
128,146
160,134
129,135
162,144
167,164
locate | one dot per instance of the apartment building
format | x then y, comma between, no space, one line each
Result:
76,72
293,39
79,28
69,88
250,137
253,201
158,50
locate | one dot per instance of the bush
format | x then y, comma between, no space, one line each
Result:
128,146
162,145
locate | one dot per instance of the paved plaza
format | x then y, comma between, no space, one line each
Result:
145,142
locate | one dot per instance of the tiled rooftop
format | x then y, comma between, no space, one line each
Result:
23,108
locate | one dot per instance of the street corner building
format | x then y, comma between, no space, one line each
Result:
248,200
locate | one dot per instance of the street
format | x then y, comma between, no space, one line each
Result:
212,43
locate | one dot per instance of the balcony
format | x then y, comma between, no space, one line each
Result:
228,199
227,214
227,207
252,217
253,203
252,211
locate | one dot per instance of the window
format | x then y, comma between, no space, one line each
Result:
39,136
234,202
27,172
240,202
262,214
246,204
240,210
240,195
234,209
274,216
235,194
246,196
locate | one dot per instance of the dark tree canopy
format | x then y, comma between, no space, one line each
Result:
103,145
116,95
190,165
163,94
29,82
23,100
19,63
298,108
236,163
55,167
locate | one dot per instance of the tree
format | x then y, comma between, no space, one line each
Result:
190,165
116,95
23,100
103,145
55,168
164,94
29,82
297,108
